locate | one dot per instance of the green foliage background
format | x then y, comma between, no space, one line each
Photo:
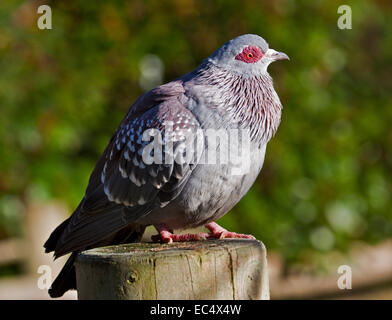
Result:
327,175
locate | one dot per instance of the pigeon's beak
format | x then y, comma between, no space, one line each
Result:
276,55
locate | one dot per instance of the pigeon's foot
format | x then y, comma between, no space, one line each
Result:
168,237
217,232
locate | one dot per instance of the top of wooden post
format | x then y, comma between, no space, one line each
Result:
176,248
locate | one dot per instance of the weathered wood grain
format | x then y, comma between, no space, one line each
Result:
220,269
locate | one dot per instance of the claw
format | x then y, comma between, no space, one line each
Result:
217,232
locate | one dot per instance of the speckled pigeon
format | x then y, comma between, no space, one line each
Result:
230,90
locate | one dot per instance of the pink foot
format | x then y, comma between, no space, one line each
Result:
217,232
167,237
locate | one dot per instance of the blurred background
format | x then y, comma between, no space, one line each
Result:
323,198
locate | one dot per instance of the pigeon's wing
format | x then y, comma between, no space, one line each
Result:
146,164
147,160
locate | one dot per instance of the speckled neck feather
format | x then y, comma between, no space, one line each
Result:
250,101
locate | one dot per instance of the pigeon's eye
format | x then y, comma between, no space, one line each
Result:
250,54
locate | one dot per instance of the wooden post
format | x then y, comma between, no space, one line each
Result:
217,269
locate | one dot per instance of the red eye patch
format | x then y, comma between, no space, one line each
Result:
250,54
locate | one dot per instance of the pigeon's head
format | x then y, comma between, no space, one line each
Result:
247,55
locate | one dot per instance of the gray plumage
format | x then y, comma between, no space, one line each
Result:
125,194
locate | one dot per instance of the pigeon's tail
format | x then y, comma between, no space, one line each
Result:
50,244
66,280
